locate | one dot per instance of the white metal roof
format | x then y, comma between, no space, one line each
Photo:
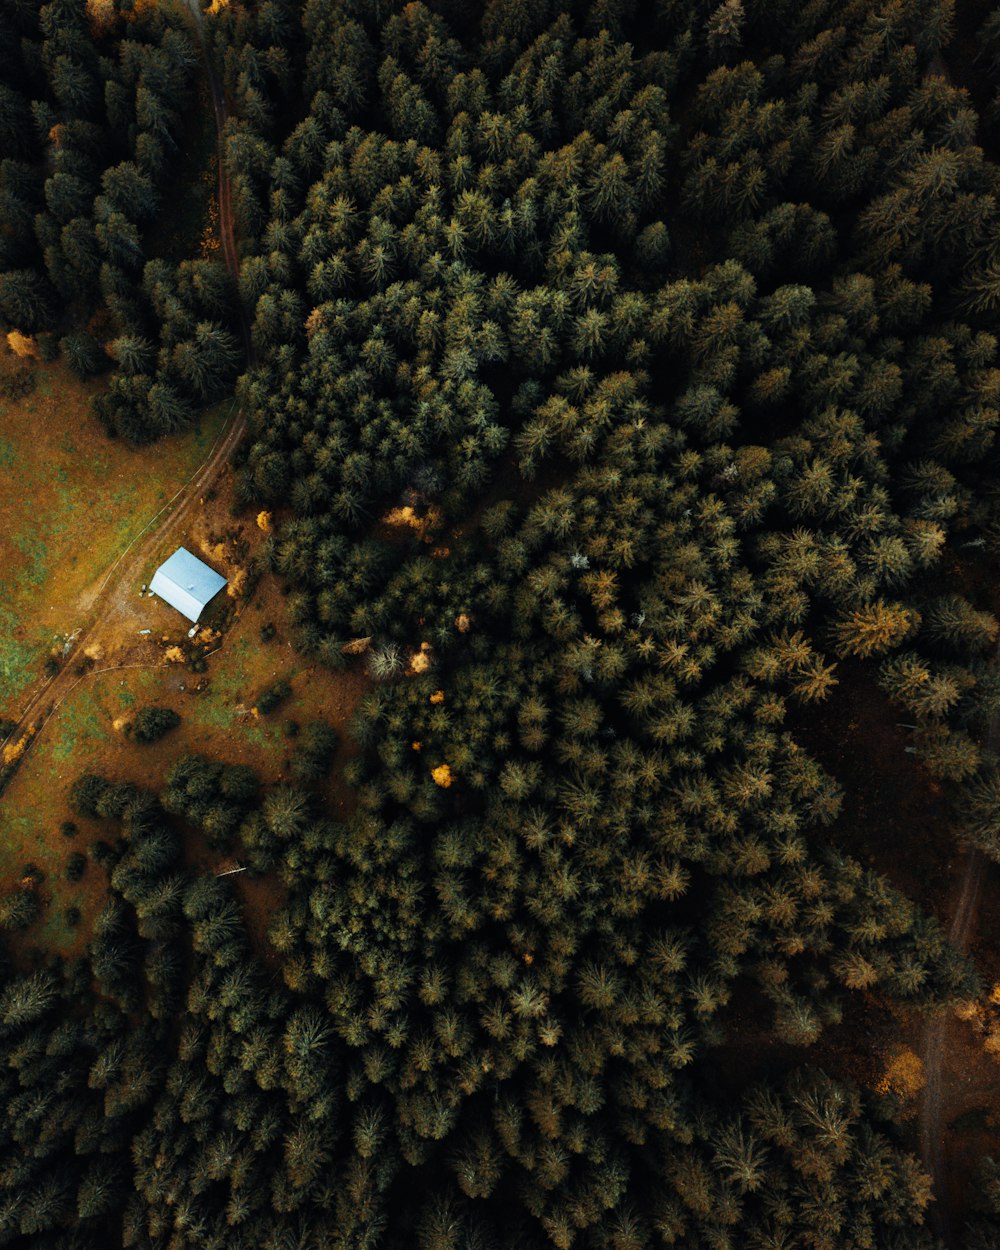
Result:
186,583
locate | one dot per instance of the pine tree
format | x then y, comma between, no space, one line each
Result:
151,723
83,354
208,361
873,629
26,299
952,619
134,354
25,999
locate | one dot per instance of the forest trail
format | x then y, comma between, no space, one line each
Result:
941,1052
945,1045
227,235
121,581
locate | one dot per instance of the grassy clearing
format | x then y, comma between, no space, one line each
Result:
70,501
86,735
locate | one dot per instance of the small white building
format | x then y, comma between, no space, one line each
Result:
186,583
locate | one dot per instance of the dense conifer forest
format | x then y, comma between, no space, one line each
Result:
620,374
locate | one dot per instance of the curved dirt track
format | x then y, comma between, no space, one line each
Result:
964,906
934,1051
122,580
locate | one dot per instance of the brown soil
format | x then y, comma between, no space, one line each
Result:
895,817
260,898
960,1118
960,1111
122,627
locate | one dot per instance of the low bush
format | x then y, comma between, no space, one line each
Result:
151,723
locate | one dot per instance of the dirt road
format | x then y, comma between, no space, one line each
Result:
121,582
937,1053
227,235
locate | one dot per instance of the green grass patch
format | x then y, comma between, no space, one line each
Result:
53,932
27,840
234,686
36,558
80,723
19,658
71,502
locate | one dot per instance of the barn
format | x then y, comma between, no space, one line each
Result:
186,583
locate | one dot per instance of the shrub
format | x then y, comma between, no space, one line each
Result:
151,723
76,866
17,376
88,793
314,751
83,354
18,909
103,853
273,696
48,346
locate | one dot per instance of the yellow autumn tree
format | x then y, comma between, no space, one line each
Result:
14,750
101,14
903,1074
443,775
420,661
21,344
264,521
407,516
313,322
873,628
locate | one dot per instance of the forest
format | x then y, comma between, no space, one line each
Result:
622,379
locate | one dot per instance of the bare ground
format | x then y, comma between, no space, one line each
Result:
961,1077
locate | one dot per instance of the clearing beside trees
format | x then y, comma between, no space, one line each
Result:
70,500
